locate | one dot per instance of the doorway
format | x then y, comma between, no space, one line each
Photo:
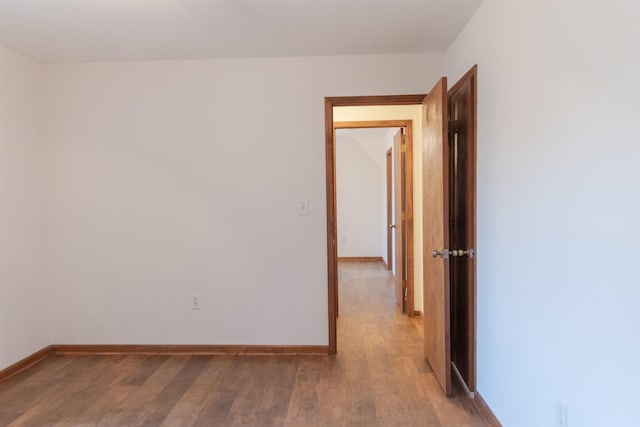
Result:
443,297
402,226
332,258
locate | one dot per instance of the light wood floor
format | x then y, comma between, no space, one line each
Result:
378,378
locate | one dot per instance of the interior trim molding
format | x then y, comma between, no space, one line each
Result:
204,349
332,251
361,259
485,411
349,101
160,349
25,363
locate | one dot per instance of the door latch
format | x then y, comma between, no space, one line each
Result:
463,252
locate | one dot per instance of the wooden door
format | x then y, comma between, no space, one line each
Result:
462,225
389,209
398,217
435,177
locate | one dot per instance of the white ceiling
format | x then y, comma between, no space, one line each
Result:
112,30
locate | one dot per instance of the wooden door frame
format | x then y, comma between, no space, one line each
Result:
330,155
407,173
389,165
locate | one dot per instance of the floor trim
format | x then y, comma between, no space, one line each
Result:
191,349
25,363
162,349
361,259
485,411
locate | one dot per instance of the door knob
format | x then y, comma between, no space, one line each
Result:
444,253
392,226
463,252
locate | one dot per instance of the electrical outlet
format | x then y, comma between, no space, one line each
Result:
195,302
562,418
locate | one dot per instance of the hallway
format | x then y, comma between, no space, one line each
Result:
382,353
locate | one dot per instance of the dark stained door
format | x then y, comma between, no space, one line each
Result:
462,226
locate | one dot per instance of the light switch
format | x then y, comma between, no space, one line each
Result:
303,208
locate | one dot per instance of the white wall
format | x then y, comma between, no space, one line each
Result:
558,208
360,193
24,296
402,112
167,179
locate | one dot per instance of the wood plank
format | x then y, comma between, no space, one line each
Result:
304,399
128,369
450,412
70,395
485,411
229,385
188,409
36,373
264,399
25,363
172,393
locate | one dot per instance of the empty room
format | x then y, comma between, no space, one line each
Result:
174,248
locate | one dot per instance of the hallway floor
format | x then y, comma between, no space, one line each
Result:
378,378
383,349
